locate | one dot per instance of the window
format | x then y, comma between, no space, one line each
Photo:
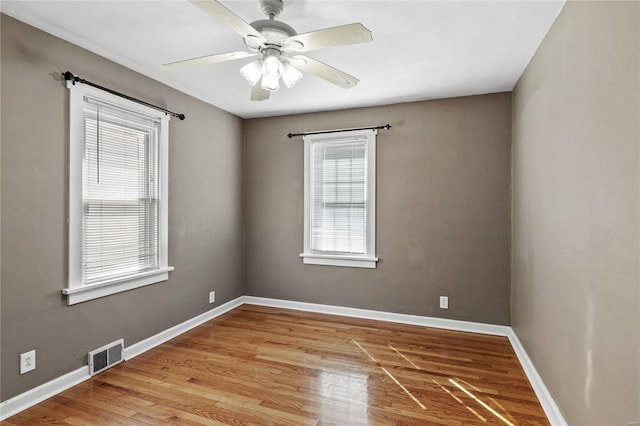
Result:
117,195
339,197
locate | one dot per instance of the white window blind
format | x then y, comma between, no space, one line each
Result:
120,192
338,197
339,209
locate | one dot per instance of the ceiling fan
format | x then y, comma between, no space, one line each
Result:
278,48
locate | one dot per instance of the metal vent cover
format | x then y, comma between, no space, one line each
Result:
105,357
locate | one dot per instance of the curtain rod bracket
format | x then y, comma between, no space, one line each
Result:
68,75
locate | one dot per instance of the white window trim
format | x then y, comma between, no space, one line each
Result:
369,260
76,290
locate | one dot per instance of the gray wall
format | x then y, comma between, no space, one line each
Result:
443,210
575,212
205,212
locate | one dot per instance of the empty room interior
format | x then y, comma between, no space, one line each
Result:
320,212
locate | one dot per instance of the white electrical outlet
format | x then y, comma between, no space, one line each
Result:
27,361
212,296
444,302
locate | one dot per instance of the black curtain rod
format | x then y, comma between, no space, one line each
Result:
75,79
320,132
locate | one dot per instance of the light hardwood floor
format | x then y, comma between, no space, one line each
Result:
259,365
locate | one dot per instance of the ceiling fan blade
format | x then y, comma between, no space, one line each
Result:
210,59
258,93
239,25
328,37
324,71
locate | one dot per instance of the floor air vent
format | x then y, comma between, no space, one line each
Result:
105,357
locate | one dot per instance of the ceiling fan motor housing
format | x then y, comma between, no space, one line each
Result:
275,32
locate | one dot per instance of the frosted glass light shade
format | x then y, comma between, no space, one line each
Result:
270,83
271,72
252,72
290,75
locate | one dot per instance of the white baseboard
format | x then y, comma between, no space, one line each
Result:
31,397
168,334
544,396
473,327
46,390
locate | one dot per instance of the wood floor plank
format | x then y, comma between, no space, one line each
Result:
259,365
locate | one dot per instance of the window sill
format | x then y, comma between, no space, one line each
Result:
94,291
335,260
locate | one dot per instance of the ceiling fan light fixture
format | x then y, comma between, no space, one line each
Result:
252,72
290,75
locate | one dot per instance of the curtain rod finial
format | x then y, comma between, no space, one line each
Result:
68,76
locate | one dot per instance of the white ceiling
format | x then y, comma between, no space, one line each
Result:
420,50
